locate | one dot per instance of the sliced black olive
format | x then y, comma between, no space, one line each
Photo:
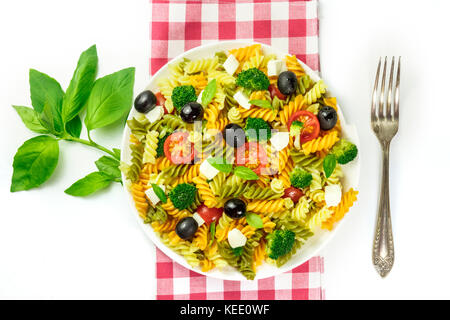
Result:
186,228
191,112
145,101
287,82
234,135
327,118
235,208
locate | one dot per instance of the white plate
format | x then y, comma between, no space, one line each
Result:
315,243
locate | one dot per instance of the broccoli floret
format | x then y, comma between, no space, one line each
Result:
345,151
300,178
160,148
257,129
279,243
253,79
183,195
182,95
296,128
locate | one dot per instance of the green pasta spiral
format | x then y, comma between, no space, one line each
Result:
256,192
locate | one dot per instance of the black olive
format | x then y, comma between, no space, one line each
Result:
235,208
145,101
327,118
191,112
234,135
186,228
287,82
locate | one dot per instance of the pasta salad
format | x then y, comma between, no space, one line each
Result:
237,159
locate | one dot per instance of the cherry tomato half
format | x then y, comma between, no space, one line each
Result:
160,101
273,90
253,156
293,193
178,149
311,126
209,214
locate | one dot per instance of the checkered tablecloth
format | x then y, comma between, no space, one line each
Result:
289,25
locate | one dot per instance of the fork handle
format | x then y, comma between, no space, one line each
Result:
383,243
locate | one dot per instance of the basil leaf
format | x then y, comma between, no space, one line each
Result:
254,220
261,103
245,173
329,164
110,99
108,165
209,92
73,127
81,84
160,193
117,153
31,119
220,164
212,231
34,163
47,91
93,182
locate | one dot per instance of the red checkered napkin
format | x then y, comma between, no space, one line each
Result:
289,25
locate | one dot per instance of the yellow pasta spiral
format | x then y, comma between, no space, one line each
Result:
262,206
319,217
246,230
318,89
341,209
198,81
290,108
235,116
205,192
284,175
222,233
293,65
268,224
151,143
256,112
245,53
201,65
259,95
320,143
254,62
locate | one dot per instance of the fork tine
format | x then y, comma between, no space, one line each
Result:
397,92
375,93
382,102
389,97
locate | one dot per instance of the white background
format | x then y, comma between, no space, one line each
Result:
56,246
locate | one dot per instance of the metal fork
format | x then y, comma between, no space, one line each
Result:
384,121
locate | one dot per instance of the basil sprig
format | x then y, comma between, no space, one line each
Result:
261,103
254,220
57,115
220,164
245,173
160,193
209,92
329,164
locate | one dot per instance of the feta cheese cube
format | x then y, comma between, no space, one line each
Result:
231,64
280,140
208,170
198,218
333,194
274,67
242,99
155,114
236,238
150,193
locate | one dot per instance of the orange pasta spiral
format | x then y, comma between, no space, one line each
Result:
167,226
256,112
139,197
201,237
341,209
290,108
244,53
174,212
192,172
205,192
259,255
320,143
206,265
293,65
